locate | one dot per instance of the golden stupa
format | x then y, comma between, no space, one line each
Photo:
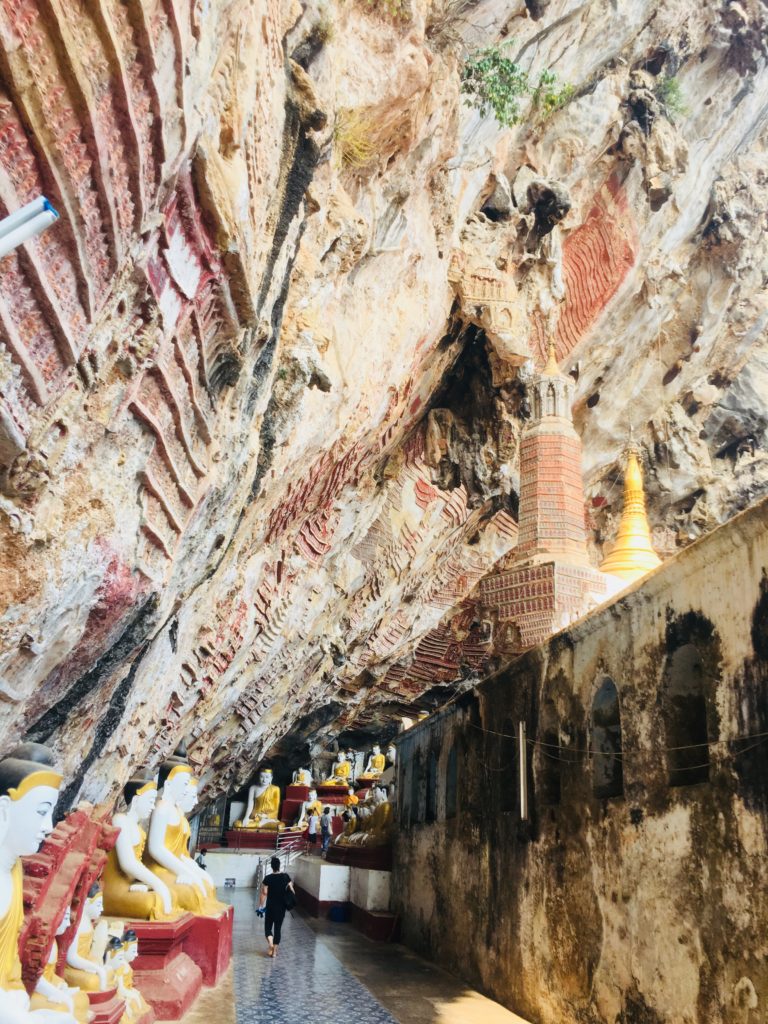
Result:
632,555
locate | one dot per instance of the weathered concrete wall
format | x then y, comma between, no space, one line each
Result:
638,908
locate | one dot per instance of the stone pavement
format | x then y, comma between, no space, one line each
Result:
328,973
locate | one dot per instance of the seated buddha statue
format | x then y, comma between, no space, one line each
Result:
310,806
340,772
135,1003
351,799
263,807
29,789
167,854
375,828
52,992
302,777
349,828
374,766
85,968
130,889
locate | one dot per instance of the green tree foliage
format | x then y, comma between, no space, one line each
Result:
669,94
492,83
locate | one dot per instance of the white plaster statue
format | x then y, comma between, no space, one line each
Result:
340,772
374,766
392,753
119,956
310,806
168,842
52,992
375,827
29,789
131,890
263,807
302,777
85,968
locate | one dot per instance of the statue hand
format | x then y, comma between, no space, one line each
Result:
165,895
138,887
185,879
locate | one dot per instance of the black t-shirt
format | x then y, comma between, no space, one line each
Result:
276,884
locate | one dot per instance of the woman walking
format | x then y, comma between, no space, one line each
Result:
277,896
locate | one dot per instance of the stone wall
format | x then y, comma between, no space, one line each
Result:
635,892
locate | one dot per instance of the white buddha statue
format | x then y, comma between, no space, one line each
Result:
375,827
340,772
310,806
167,854
263,807
374,766
136,1005
302,777
391,753
29,789
52,992
85,968
131,890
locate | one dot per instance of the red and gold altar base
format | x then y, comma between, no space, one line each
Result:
209,944
108,1008
165,974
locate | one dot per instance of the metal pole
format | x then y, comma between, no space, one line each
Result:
523,763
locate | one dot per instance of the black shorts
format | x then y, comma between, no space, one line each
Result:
313,838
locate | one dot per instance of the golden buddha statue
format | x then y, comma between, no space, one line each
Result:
351,799
302,777
29,789
117,960
263,807
374,826
310,806
85,968
340,772
52,992
130,889
375,765
632,554
167,854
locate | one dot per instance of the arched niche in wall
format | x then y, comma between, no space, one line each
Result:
685,717
550,756
431,808
451,782
606,742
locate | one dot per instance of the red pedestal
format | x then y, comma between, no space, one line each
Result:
300,793
209,944
165,975
106,1007
333,794
377,857
251,839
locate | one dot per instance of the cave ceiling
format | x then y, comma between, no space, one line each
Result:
262,385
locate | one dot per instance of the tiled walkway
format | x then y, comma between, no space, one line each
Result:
306,984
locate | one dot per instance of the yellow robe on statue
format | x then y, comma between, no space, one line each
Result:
38,1001
120,901
124,975
188,897
10,926
84,980
266,805
341,772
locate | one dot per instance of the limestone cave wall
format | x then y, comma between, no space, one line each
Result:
261,386
634,892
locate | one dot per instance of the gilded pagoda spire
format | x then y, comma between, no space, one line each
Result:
632,555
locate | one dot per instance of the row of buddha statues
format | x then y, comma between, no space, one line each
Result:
262,809
148,876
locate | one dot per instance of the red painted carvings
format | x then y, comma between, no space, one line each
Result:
57,877
597,256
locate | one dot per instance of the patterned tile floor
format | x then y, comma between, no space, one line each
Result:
306,984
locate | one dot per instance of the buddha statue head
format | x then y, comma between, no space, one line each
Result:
376,749
188,799
66,921
312,795
29,789
113,954
130,945
174,779
265,776
140,795
341,757
94,904
391,753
